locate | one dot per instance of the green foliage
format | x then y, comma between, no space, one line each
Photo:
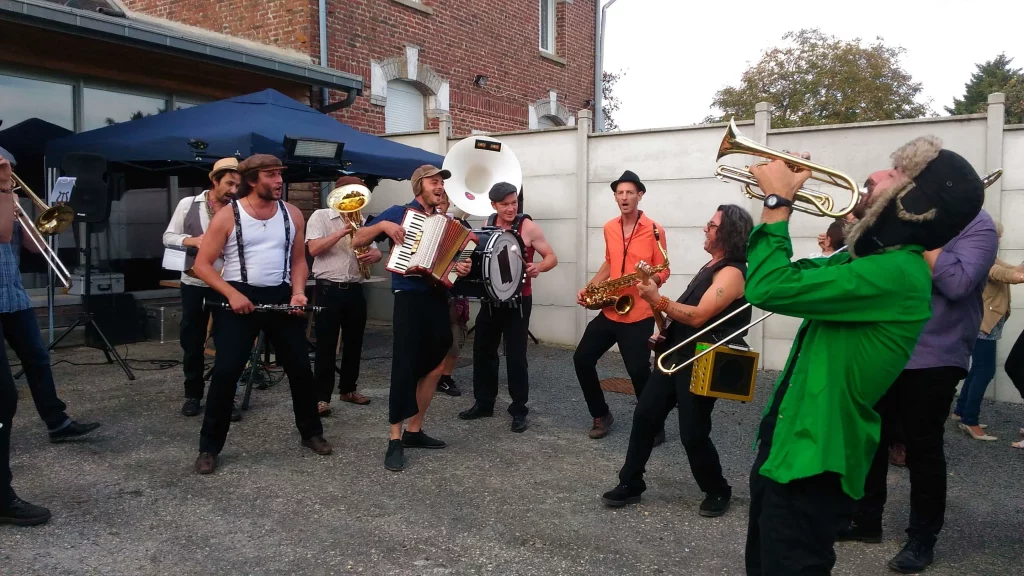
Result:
820,79
609,101
993,76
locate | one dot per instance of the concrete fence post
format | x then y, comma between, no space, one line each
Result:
762,123
994,151
444,132
584,124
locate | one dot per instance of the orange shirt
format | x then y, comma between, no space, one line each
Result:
622,254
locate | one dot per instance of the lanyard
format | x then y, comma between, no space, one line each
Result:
625,245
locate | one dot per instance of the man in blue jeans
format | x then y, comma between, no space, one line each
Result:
18,320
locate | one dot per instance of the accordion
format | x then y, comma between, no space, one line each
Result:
433,245
728,372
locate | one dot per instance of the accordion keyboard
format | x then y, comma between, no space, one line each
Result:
401,256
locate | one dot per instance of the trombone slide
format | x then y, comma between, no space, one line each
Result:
30,230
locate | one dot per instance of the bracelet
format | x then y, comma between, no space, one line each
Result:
662,304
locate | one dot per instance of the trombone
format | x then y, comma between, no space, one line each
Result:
987,181
820,204
53,220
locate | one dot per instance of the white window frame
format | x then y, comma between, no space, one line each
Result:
550,49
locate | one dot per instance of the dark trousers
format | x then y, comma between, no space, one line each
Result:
1014,365
8,406
793,526
345,310
661,393
194,320
598,338
983,370
234,336
23,336
493,323
423,337
921,400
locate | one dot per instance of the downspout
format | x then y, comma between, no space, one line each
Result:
599,64
323,47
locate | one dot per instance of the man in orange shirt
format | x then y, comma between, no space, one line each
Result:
628,239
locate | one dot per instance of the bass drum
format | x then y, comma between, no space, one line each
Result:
498,272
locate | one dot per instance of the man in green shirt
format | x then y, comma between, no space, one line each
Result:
863,312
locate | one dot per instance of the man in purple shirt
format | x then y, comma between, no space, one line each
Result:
920,397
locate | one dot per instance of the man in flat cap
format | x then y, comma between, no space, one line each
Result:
339,289
262,240
510,319
191,218
420,320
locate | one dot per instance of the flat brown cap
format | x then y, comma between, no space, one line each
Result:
426,171
260,162
346,180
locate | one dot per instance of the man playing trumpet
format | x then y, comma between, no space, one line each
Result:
628,239
863,312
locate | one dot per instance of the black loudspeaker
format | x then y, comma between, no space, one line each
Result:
91,198
119,317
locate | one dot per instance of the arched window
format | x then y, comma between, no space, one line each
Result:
405,110
549,121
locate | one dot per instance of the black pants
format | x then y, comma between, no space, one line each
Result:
8,406
194,320
1015,364
345,310
23,336
493,323
235,335
661,393
422,339
793,526
920,399
598,338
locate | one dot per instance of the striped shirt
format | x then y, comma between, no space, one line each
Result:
338,263
13,297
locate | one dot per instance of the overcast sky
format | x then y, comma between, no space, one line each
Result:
677,53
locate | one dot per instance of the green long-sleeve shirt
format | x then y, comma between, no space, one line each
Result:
862,318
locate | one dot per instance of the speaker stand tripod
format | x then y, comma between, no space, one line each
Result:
85,318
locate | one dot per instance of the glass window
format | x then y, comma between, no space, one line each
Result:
24,98
105,108
547,25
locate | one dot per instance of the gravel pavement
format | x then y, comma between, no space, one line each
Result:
125,500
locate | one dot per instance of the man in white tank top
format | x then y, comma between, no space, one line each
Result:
262,240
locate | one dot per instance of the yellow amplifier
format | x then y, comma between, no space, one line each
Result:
728,372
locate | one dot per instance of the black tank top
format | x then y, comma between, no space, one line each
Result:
677,331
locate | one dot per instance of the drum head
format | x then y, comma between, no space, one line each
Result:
503,268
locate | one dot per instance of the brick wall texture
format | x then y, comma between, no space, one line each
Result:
458,40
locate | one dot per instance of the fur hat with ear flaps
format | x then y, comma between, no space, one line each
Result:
937,194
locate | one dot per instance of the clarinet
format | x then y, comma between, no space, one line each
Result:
268,307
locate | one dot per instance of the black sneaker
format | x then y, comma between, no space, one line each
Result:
621,495
476,411
447,385
420,440
190,407
914,558
714,505
856,533
395,458
236,414
73,430
21,513
519,423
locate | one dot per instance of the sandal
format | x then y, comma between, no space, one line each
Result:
1019,445
967,430
323,408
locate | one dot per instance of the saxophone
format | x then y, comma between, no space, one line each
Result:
608,293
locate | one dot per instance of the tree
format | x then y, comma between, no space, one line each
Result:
993,76
609,101
820,79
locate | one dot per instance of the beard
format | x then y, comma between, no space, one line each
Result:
266,194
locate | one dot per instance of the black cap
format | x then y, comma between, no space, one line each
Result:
629,176
500,190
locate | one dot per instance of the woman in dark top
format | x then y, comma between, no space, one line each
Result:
715,292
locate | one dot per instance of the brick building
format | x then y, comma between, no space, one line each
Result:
421,58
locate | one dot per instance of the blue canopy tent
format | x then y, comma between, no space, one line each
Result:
186,142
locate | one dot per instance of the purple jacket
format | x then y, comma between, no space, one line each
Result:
958,282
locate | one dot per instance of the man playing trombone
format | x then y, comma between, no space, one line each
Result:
716,292
863,312
20,326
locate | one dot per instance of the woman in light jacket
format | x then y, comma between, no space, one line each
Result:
983,361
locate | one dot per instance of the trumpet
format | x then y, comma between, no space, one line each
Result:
988,180
348,200
53,220
820,204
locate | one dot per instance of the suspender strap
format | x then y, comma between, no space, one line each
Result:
238,240
287,239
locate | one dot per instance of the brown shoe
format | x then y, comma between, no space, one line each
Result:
602,426
898,455
323,408
354,398
206,463
317,444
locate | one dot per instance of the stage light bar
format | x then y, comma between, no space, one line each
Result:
313,149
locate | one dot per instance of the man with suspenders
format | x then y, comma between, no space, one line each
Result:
262,240
511,320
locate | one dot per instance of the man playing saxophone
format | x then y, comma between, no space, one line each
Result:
629,239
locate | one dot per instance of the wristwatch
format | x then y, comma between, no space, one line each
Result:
776,201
